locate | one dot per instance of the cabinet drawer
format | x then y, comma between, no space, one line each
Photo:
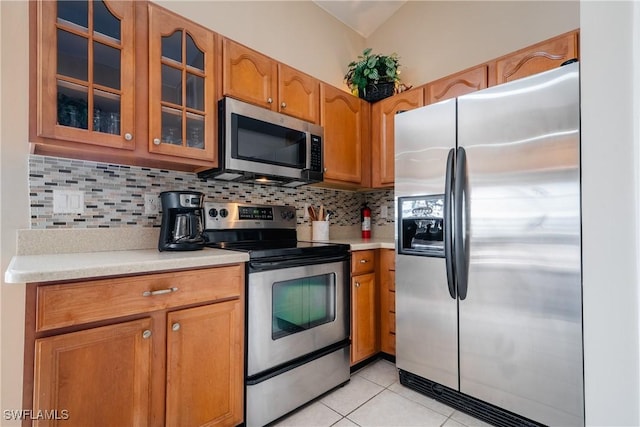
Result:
362,262
77,303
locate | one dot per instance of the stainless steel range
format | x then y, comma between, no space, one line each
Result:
298,307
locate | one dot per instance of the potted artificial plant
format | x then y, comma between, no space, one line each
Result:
373,76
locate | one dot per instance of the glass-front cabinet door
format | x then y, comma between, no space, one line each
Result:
182,101
86,71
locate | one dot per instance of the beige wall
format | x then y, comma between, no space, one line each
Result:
14,192
297,33
438,38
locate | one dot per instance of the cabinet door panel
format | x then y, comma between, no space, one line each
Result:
204,365
100,376
458,84
182,97
342,118
298,94
537,58
364,332
383,114
248,75
86,79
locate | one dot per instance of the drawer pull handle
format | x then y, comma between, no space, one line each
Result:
364,261
159,292
146,334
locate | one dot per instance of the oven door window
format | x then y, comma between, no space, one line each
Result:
302,304
264,142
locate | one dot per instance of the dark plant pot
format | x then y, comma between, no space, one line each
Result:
376,92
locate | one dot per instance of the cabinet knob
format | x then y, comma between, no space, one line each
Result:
283,105
269,100
364,261
156,141
357,284
175,327
128,136
146,334
325,169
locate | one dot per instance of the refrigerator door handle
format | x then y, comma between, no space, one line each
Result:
461,231
448,224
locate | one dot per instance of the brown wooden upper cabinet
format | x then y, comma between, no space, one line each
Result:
85,72
537,58
382,134
458,84
182,91
298,94
255,78
345,119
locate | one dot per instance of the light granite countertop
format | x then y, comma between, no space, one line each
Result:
55,267
56,255
358,244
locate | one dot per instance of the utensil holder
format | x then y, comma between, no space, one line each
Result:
319,230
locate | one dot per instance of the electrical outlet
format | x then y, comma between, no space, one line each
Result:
151,204
68,202
384,212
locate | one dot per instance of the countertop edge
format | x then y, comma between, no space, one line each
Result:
59,267
90,265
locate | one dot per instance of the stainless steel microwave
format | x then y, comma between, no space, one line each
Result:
257,145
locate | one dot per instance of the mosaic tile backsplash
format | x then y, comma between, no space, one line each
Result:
114,195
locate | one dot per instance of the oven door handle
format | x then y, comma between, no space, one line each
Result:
273,263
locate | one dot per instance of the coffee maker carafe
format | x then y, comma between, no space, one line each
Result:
182,221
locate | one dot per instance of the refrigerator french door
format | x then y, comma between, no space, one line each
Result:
488,264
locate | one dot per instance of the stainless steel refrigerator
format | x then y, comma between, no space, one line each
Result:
488,263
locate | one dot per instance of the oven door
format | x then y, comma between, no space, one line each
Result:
295,311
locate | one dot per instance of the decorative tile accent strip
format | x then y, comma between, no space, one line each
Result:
114,195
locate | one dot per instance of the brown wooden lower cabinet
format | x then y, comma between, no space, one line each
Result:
364,337
373,304
204,378
387,274
99,376
172,363
364,313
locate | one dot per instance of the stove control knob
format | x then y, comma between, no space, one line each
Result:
290,215
224,213
213,212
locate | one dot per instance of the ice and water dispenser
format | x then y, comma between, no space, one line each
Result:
421,223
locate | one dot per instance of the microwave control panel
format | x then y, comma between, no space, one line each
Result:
316,153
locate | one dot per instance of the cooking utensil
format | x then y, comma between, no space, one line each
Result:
312,213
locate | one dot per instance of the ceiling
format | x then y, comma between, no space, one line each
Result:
363,16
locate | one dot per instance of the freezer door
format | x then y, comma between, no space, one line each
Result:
423,138
520,323
426,314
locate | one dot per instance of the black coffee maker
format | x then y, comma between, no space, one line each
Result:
182,221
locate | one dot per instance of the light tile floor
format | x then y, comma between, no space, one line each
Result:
375,397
